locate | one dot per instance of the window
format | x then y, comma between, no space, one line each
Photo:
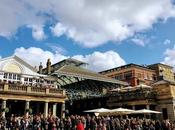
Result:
139,75
5,75
48,82
14,76
30,79
25,79
41,81
18,77
118,77
51,82
154,77
128,75
10,76
37,80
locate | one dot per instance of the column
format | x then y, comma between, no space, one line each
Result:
46,109
54,112
3,108
148,107
27,106
63,110
133,107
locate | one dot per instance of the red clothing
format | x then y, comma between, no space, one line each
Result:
80,126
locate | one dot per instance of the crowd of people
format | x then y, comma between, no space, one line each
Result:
76,122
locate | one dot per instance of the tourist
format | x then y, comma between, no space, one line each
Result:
79,125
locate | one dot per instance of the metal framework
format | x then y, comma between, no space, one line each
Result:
81,83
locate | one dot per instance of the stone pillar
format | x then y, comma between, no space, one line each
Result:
148,107
54,110
46,105
63,110
3,108
133,107
27,106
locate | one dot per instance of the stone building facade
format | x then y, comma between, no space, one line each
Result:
159,96
23,89
133,74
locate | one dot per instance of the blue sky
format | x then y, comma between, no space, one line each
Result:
105,36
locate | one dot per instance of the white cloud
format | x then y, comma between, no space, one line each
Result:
138,41
35,55
170,56
88,22
141,40
17,14
0,57
37,32
97,61
58,29
166,42
57,48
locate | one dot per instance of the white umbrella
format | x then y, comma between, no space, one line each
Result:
143,86
99,110
121,111
115,90
146,111
126,88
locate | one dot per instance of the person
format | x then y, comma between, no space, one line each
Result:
80,125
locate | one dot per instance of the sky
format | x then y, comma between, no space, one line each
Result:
105,34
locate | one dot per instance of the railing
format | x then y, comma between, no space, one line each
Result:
10,88
17,88
133,95
51,90
38,90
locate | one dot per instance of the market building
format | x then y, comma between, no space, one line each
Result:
49,89
67,87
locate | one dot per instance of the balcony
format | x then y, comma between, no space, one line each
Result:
134,95
31,91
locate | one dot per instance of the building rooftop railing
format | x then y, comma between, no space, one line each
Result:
30,90
132,95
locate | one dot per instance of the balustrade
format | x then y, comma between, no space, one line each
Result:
55,91
38,90
30,90
17,88
133,95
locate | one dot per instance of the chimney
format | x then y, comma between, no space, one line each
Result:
48,66
40,68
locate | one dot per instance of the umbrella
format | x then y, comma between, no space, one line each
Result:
115,90
143,86
146,111
121,111
99,110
